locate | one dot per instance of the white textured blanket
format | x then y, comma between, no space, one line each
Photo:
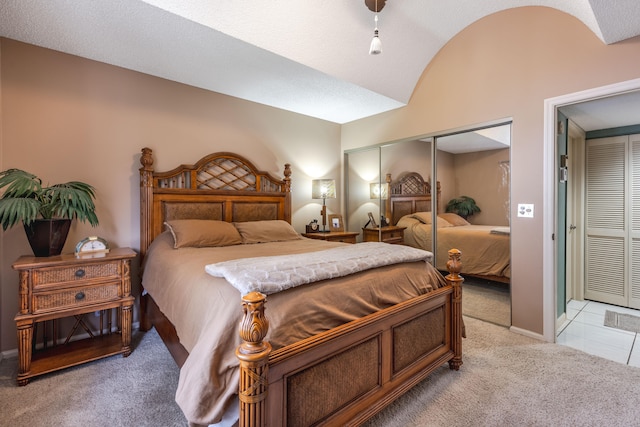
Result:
277,273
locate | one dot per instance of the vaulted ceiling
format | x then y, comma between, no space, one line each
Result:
309,57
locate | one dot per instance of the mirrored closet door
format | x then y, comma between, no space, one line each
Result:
396,191
473,168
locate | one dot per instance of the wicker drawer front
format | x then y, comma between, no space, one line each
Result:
49,276
77,297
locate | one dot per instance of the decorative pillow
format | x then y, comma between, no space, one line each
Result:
425,218
453,219
266,231
200,233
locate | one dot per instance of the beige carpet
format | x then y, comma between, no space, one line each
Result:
488,301
506,380
511,380
134,391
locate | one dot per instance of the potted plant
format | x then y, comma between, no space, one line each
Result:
464,206
45,212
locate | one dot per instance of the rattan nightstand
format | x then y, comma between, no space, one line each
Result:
65,286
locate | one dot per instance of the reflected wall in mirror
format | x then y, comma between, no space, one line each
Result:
366,170
362,168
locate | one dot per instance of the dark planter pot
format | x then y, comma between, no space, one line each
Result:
47,236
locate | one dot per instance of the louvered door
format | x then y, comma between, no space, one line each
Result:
612,235
634,218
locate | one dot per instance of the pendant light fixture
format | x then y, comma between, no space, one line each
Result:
376,44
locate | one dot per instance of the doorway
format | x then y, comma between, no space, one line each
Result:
576,107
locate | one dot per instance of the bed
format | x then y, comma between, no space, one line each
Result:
486,248
332,352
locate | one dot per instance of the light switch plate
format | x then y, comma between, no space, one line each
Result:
525,210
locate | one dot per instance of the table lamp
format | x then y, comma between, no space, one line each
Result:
323,189
381,191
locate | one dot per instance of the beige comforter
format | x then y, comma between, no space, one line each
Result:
484,252
206,311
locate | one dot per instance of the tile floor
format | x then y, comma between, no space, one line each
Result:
584,330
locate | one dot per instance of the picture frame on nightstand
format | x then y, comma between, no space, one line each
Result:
335,223
372,221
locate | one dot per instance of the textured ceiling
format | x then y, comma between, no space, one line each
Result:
307,57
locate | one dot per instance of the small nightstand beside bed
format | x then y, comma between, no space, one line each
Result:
336,350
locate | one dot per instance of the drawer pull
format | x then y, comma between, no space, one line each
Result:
79,296
80,273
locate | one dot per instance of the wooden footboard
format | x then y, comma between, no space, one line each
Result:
346,375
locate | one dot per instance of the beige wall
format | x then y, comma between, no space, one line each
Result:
502,66
67,118
484,177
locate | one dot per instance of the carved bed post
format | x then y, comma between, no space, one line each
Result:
253,354
454,265
287,189
387,202
146,197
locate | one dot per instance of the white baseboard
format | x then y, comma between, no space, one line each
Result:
9,354
13,353
527,333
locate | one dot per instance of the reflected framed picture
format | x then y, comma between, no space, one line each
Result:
335,223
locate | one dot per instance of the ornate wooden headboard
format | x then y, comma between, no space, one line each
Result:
409,194
220,186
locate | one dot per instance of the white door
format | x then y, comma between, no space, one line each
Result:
612,239
633,268
575,213
606,232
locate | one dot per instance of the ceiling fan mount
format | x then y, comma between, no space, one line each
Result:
375,5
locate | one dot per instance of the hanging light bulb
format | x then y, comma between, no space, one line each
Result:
376,45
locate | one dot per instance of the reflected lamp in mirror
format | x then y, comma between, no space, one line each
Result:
323,189
378,191
381,191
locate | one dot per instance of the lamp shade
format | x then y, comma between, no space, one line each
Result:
323,189
378,191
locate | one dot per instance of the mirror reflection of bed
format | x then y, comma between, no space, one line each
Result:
486,248
473,163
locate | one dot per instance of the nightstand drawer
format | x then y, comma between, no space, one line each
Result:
394,236
346,239
334,236
51,276
76,297
387,234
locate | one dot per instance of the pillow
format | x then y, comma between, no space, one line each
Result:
425,218
453,219
200,233
266,231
